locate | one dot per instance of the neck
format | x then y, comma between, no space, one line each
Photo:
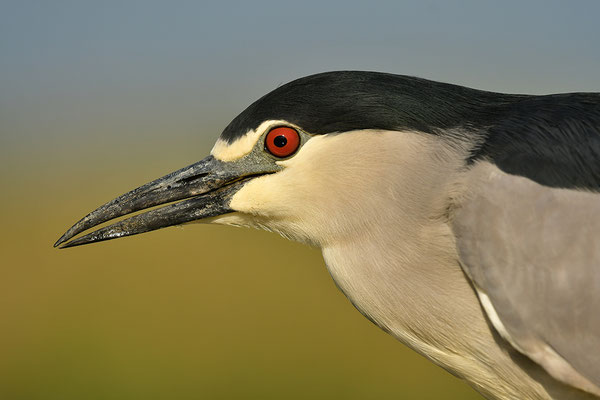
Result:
414,289
410,284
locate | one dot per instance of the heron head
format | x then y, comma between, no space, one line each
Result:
315,160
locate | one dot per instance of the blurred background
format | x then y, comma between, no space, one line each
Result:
97,98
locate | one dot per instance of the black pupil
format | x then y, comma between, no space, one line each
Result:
280,141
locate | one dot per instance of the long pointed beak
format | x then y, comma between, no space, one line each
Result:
205,187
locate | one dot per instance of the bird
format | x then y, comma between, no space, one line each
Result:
463,222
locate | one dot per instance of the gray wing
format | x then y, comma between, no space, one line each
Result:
533,254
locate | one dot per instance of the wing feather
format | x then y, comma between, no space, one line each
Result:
533,253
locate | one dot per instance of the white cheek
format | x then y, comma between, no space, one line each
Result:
266,195
233,219
290,193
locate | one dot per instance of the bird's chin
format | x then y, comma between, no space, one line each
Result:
232,219
282,227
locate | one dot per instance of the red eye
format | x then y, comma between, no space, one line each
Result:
282,142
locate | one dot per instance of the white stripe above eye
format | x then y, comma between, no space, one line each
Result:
242,146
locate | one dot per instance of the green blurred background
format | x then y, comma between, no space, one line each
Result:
99,97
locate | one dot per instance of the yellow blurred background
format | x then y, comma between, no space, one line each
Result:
98,98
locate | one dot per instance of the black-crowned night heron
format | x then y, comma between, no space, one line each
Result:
464,223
